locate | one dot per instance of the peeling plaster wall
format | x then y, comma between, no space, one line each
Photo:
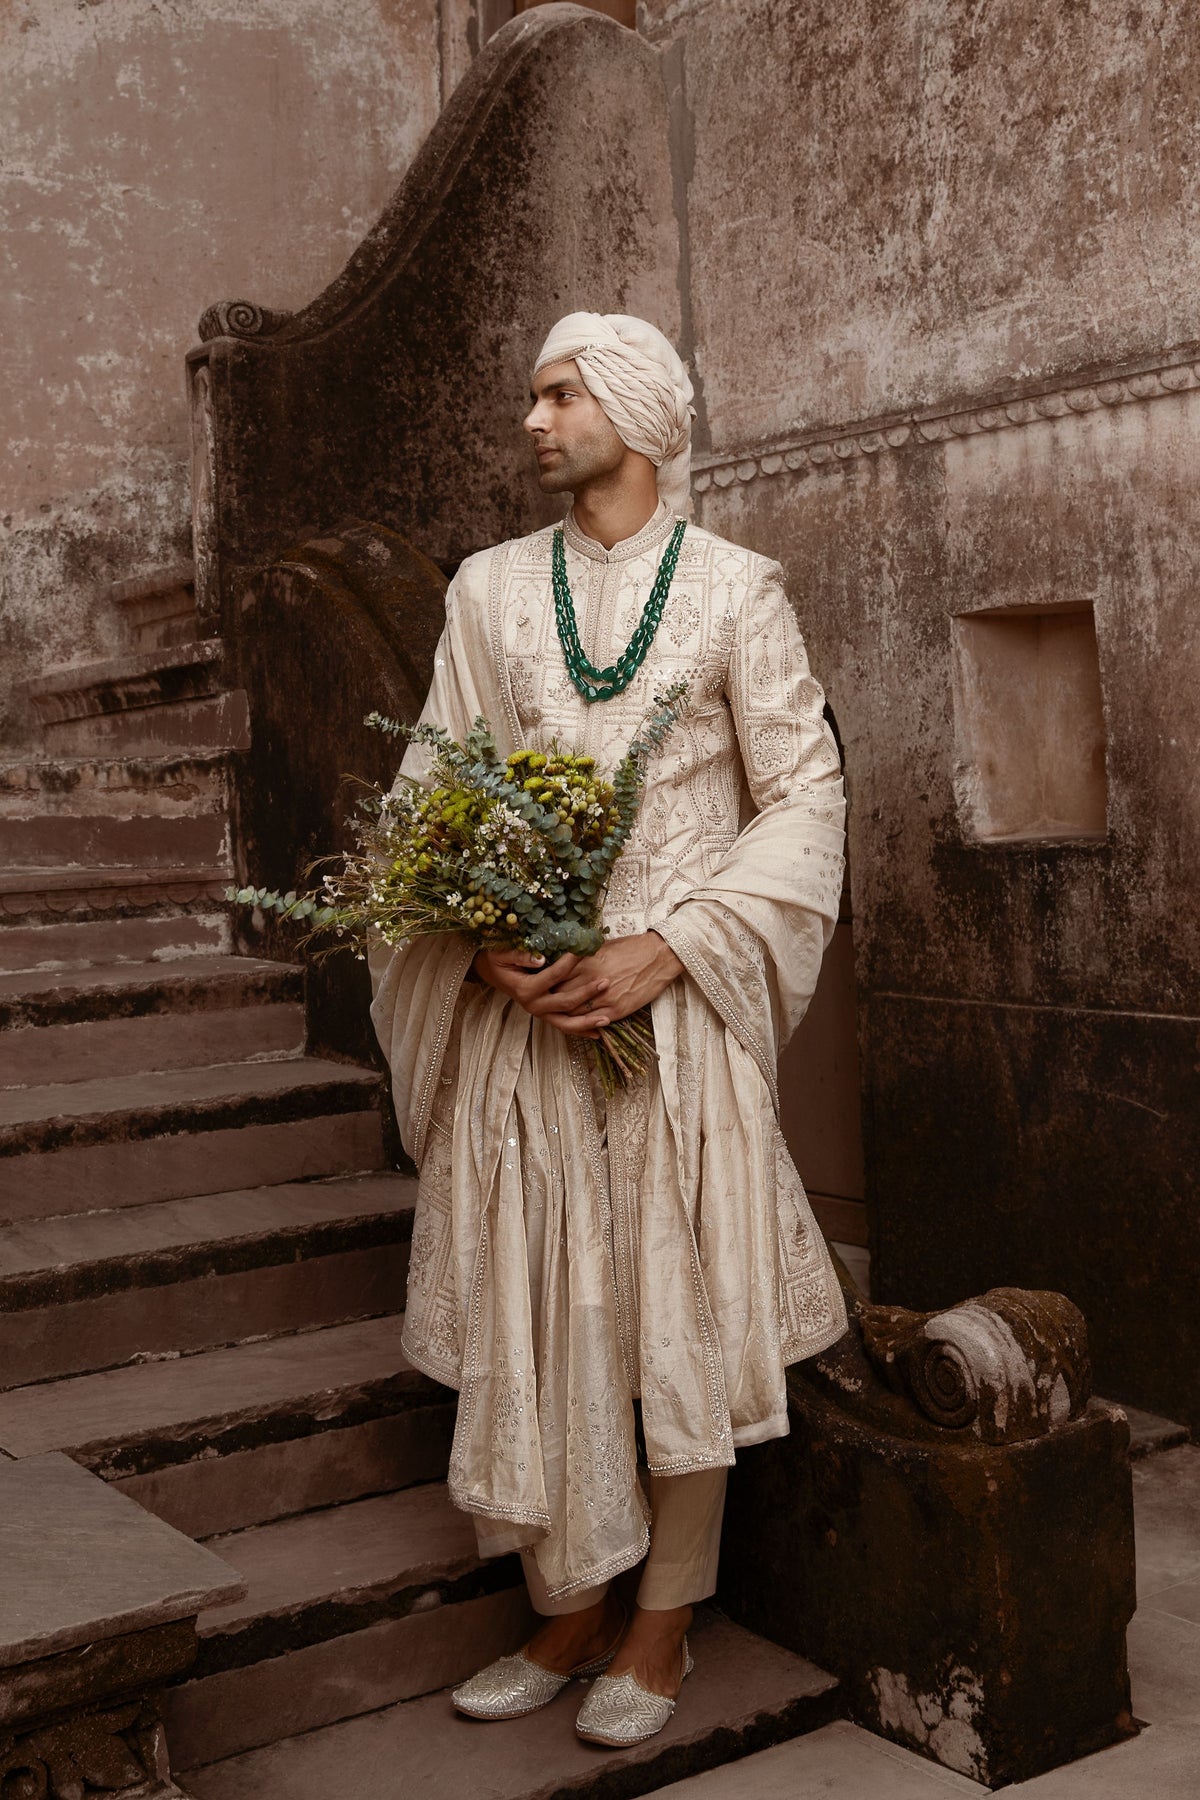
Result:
894,202
156,158
937,251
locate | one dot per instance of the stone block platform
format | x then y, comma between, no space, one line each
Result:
844,1762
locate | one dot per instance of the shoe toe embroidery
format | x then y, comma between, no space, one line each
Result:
619,1707
511,1685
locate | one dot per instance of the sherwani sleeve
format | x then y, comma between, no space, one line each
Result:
752,934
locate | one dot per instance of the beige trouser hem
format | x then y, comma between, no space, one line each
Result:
685,1544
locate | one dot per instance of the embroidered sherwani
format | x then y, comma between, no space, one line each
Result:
570,1254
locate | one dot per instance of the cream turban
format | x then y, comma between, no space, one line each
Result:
635,374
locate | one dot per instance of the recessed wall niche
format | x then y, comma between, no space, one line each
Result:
1029,725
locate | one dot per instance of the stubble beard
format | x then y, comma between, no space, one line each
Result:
586,460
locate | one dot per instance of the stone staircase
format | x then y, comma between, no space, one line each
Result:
202,1257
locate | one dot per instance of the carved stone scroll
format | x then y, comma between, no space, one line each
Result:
1009,1365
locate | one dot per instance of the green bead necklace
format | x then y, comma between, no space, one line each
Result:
603,684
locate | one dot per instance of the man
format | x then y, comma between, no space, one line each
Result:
574,1255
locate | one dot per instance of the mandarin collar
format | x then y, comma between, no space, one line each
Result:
657,528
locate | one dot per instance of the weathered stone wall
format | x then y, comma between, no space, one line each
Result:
396,395
152,160
899,205
943,300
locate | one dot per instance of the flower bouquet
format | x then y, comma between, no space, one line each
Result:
513,852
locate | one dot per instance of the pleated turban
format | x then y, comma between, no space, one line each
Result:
635,374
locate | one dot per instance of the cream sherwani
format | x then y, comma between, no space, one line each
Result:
569,1255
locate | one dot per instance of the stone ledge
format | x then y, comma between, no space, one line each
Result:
84,1563
186,985
95,1672
1149,1433
152,1416
1089,389
126,1109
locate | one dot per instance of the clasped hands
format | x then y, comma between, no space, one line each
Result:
580,994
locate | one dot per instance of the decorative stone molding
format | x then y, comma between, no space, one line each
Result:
120,1751
1117,385
365,608
367,569
1010,1365
239,319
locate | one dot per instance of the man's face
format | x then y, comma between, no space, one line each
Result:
574,439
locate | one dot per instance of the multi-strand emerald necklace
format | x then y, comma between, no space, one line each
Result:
604,684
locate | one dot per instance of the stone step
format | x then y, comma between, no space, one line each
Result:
48,896
195,1011
61,812
1150,1434
129,1139
156,677
126,787
232,1437
183,727
158,607
743,1695
91,1291
345,1610
98,1598
197,928
74,842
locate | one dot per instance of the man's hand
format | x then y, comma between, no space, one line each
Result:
579,994
634,970
529,980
